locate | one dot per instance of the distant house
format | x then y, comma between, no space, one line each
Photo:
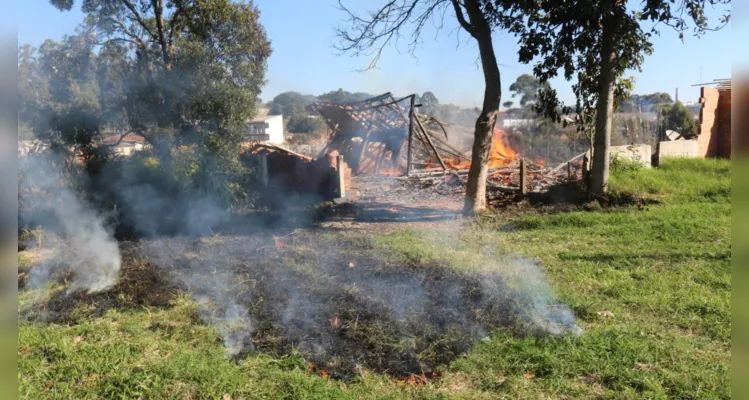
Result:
516,122
129,143
268,129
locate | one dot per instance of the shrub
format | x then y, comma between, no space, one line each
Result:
622,165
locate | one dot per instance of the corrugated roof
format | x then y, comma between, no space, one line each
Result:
129,138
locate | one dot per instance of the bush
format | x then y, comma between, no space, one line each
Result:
622,165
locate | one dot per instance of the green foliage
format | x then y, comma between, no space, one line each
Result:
294,108
184,75
342,96
193,68
676,117
624,165
596,47
291,104
644,103
526,87
304,124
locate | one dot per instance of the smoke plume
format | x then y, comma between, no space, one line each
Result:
87,248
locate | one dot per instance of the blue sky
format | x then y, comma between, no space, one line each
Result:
302,35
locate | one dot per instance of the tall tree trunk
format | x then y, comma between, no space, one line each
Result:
475,201
599,178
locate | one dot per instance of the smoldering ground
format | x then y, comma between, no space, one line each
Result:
340,302
337,299
87,247
345,305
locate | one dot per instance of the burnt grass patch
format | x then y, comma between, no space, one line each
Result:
140,285
342,306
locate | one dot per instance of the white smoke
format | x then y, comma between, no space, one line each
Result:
540,309
87,248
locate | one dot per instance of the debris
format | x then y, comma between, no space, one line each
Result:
644,367
605,314
529,375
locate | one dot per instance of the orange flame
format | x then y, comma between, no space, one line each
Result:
501,154
414,380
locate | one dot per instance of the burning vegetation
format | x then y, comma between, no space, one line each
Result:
340,303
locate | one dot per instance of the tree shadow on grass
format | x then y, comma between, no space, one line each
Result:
627,258
572,196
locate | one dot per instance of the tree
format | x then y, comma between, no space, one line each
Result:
598,41
526,87
429,104
677,118
304,123
191,70
342,96
291,104
369,34
644,103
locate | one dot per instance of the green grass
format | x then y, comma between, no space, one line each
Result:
663,271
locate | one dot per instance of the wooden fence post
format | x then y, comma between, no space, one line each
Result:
523,183
410,134
340,166
263,169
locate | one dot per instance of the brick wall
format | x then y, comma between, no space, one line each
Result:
714,138
724,124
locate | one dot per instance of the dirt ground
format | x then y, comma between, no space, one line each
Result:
381,204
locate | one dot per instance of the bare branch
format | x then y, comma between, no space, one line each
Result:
371,34
122,136
115,40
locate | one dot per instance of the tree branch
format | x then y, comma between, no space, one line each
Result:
158,11
122,136
174,21
384,25
462,19
130,6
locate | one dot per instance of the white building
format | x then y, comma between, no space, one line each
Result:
516,123
266,129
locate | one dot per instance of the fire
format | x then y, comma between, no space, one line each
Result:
415,380
501,154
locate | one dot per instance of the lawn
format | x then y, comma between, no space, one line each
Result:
650,286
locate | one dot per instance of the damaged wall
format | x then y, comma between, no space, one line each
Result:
714,138
678,148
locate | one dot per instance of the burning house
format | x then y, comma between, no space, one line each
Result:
384,135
